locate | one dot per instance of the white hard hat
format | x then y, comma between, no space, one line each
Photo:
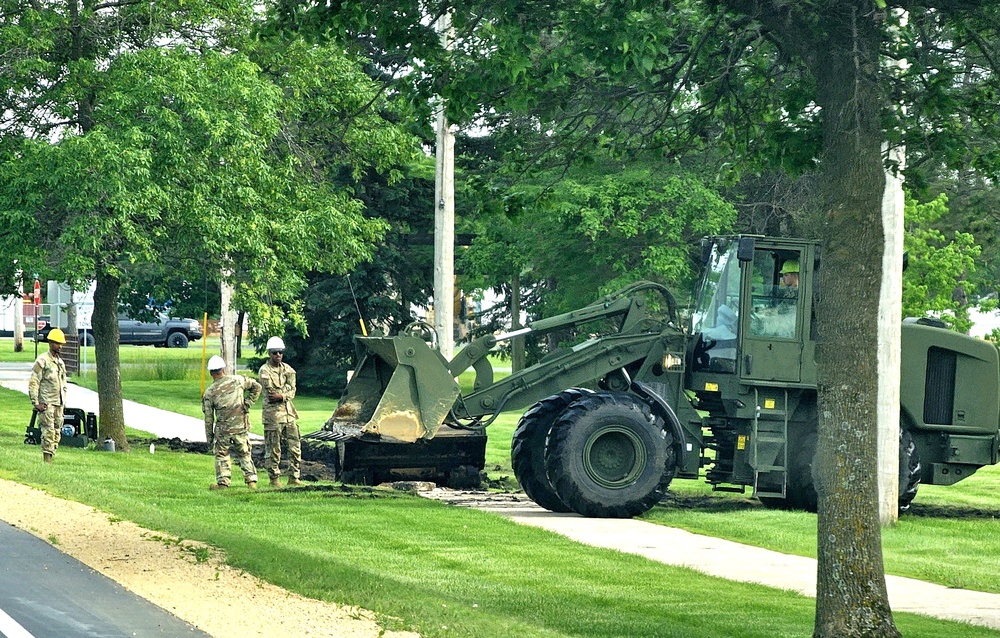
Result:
275,343
216,363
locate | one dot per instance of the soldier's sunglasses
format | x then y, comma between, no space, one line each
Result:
276,352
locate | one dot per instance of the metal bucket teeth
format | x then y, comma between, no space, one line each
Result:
325,435
335,432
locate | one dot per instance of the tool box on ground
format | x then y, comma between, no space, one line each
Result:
78,429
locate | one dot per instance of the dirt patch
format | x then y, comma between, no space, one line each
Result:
188,579
477,499
320,462
317,459
950,511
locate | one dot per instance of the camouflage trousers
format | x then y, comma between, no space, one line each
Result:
272,448
50,422
240,443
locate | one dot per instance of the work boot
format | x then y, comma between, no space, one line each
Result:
218,486
293,481
252,485
275,483
47,457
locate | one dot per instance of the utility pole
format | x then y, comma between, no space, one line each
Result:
227,320
444,218
889,338
19,319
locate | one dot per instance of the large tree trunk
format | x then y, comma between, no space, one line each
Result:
109,381
851,597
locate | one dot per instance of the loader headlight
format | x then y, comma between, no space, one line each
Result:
673,361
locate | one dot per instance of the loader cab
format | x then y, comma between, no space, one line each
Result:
775,326
753,310
715,318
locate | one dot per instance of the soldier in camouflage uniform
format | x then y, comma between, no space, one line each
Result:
47,391
277,378
226,405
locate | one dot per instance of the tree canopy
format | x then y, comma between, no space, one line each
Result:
941,269
143,142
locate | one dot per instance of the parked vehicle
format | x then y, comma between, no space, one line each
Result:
163,332
617,417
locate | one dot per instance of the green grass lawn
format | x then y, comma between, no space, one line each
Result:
951,536
421,565
444,571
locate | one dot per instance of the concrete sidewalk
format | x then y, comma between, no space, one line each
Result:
159,422
667,545
726,559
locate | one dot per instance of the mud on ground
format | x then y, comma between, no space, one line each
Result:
319,464
317,460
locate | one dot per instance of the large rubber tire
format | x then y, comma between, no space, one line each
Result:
609,456
802,487
87,339
909,470
527,448
177,340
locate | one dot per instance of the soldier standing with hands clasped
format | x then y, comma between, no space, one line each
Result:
279,415
226,405
47,391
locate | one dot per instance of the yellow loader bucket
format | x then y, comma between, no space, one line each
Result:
401,391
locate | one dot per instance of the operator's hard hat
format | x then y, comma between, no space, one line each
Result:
216,363
792,265
56,336
275,343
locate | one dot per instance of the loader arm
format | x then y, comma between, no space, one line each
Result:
582,364
625,303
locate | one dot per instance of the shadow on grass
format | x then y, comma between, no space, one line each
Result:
951,511
357,492
707,503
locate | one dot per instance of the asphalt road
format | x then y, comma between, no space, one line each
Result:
46,594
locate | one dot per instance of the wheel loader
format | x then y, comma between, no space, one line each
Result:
640,400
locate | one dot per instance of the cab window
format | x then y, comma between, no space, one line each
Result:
775,294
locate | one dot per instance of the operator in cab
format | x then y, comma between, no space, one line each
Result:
790,278
778,318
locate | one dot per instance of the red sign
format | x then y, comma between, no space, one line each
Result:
38,293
